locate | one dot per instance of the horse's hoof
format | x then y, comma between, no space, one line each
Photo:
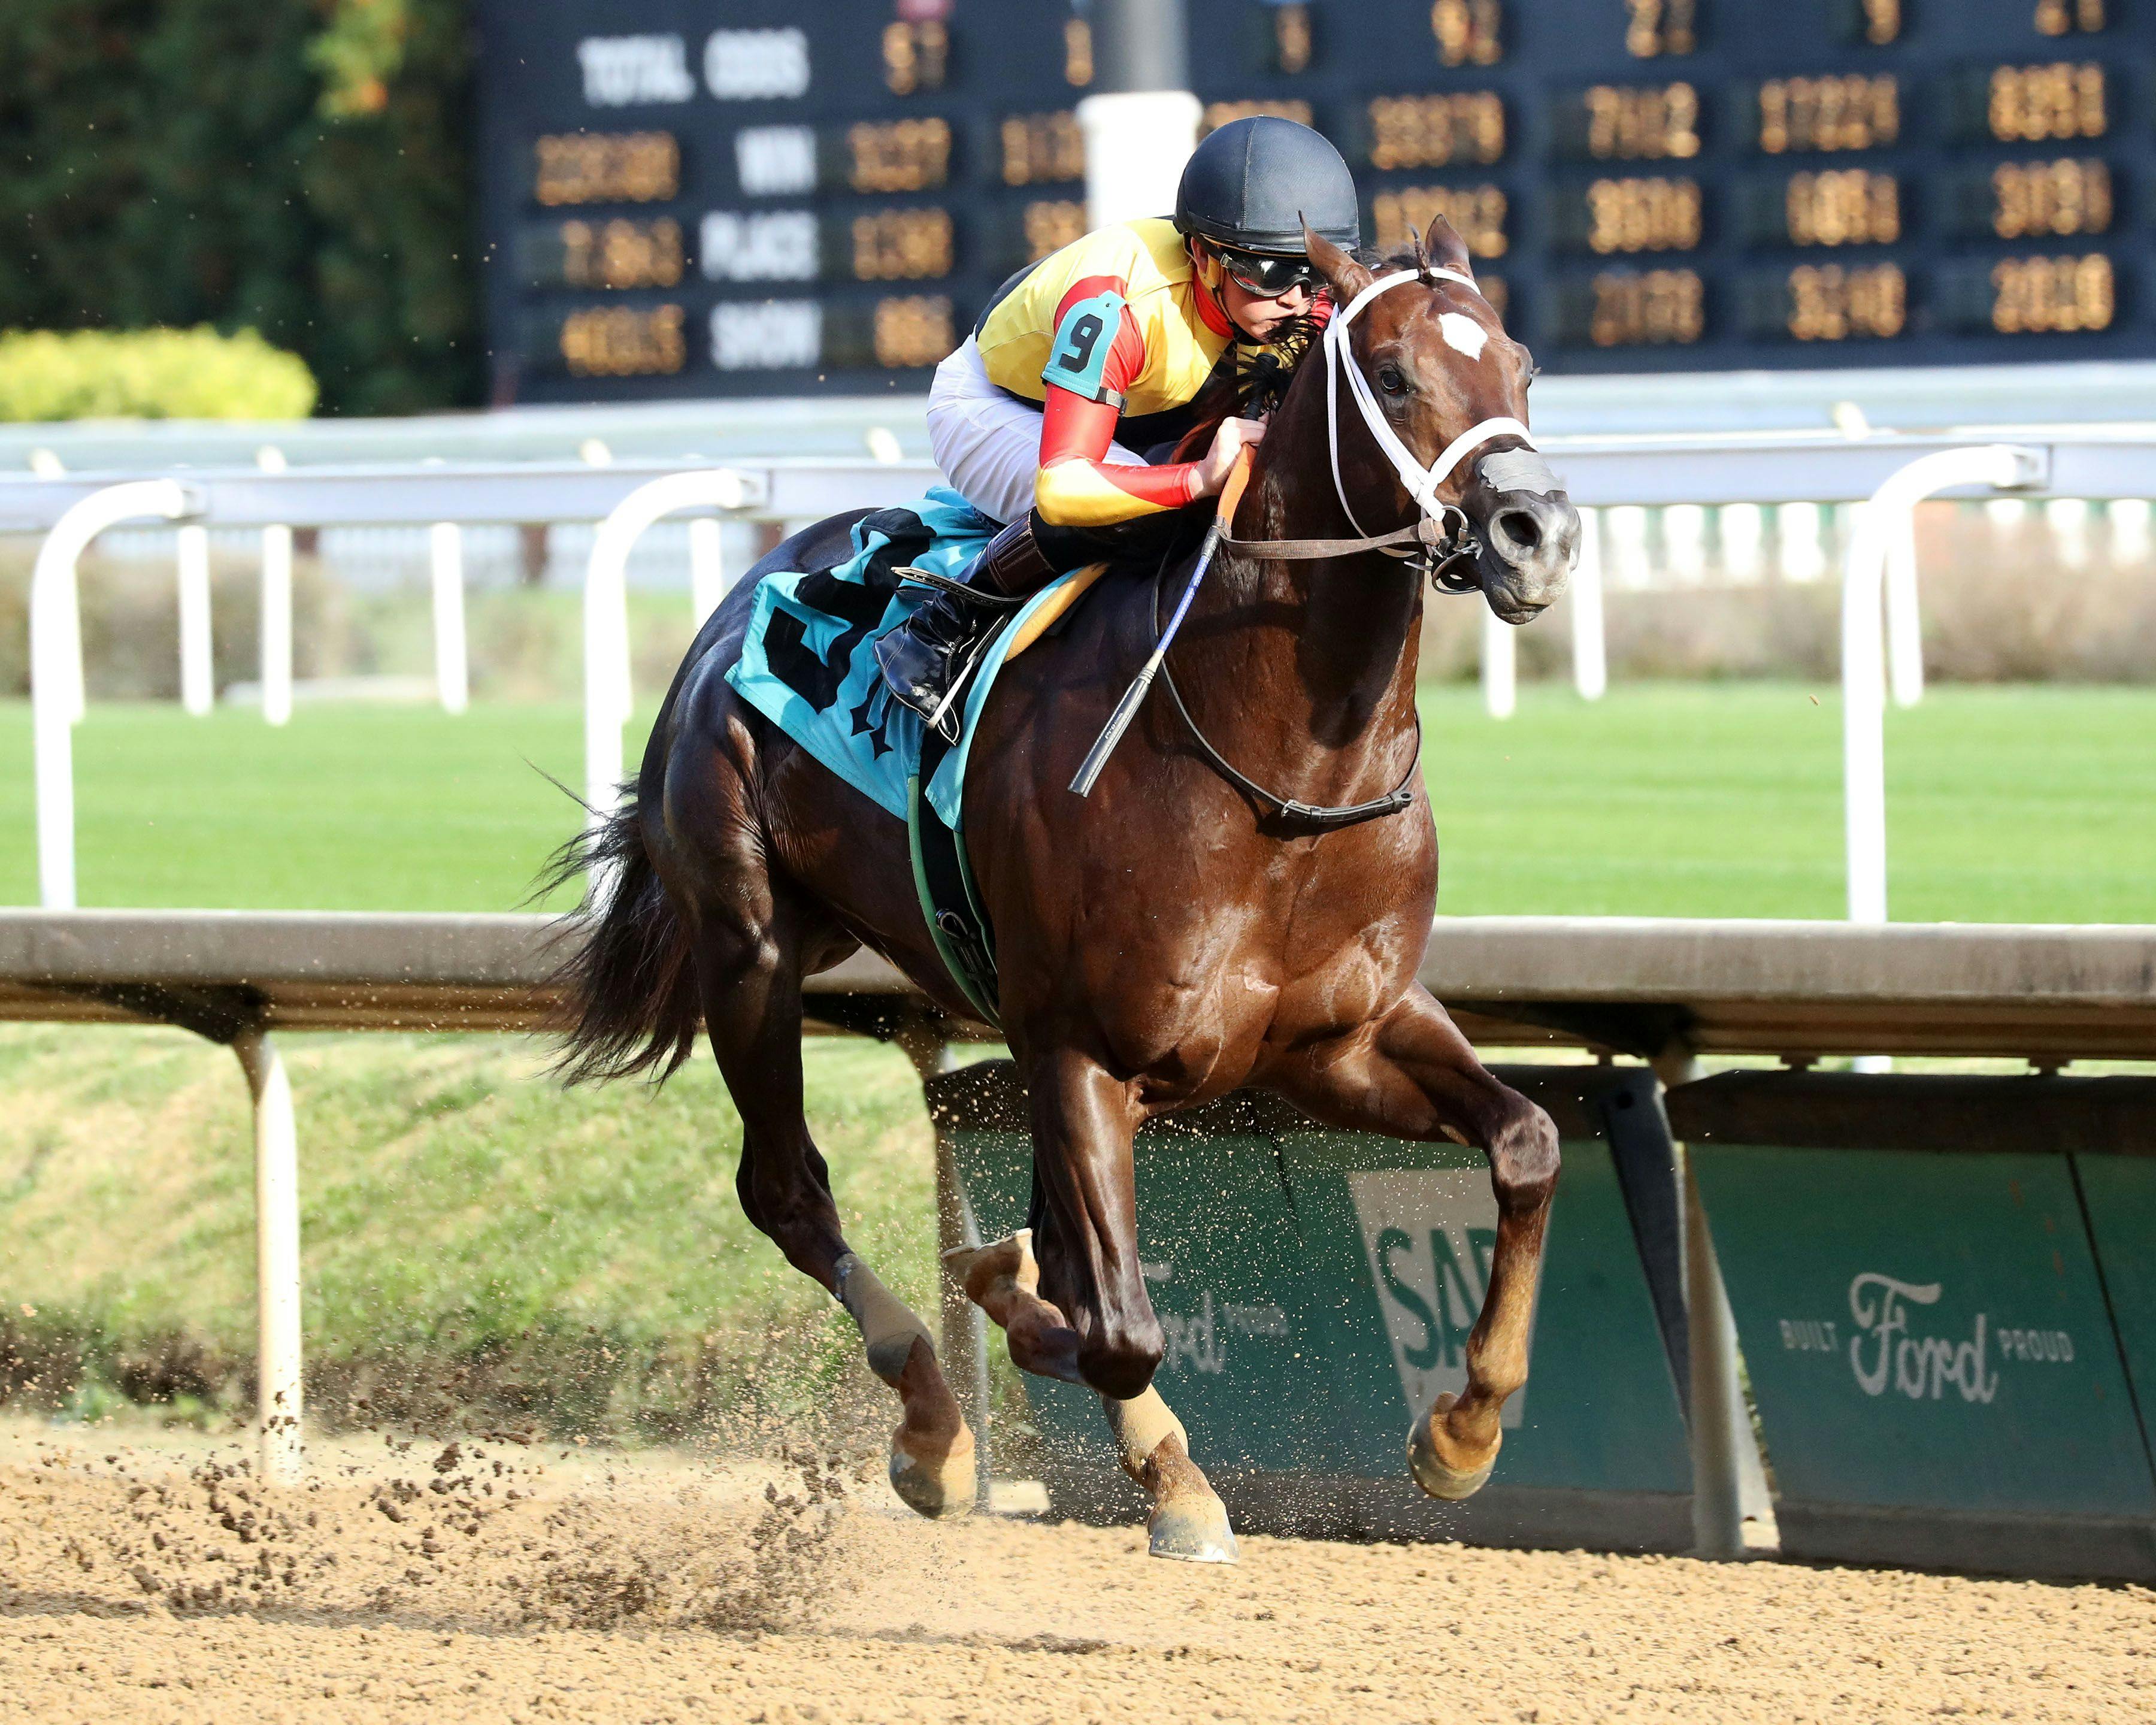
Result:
998,1267
1193,1529
937,1487
1433,1472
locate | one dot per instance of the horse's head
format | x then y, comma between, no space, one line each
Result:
1439,366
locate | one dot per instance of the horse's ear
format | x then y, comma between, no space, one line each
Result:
1348,277
1445,248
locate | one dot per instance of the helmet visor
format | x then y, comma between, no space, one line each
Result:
1269,277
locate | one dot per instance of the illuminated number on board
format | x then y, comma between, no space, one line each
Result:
1654,28
1467,32
915,55
2061,18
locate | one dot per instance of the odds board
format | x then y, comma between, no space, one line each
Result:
771,198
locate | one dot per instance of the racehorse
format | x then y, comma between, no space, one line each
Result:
1193,928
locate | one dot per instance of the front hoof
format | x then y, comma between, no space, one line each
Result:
1192,1530
1436,1460
990,1273
935,1484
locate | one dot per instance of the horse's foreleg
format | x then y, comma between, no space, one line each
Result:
1085,1212
749,970
1412,1075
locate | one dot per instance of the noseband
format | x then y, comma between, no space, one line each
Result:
1441,540
1437,550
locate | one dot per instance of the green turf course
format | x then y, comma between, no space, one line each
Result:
2033,804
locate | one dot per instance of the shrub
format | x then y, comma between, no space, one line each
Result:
150,374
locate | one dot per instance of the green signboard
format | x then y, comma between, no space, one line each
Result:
1316,1289
1925,1330
2120,1193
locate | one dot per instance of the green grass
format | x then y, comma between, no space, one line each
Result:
2004,803
578,1258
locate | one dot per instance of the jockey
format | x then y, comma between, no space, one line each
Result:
1095,354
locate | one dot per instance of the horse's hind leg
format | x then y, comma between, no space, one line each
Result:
748,968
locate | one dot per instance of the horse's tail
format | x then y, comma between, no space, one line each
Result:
630,1001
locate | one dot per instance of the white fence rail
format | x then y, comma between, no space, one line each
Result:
1887,475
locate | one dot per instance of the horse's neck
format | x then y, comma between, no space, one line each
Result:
1309,665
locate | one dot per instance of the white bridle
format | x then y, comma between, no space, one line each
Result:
1420,482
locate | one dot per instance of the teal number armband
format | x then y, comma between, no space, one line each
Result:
1079,353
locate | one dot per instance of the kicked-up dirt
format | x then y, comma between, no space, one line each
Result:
486,1580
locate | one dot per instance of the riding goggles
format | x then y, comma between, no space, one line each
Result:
1269,277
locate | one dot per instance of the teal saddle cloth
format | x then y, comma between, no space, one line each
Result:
808,665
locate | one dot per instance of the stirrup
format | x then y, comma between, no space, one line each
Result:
958,590
941,720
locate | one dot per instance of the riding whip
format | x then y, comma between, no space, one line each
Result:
1119,720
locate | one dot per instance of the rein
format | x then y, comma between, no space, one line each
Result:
1314,817
1438,548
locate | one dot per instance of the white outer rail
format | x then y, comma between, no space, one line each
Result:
2000,466
279,1336
56,686
608,697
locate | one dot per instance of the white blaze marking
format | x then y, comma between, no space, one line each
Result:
1463,334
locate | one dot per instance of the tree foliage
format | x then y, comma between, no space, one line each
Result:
294,167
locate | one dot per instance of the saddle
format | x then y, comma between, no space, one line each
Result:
808,665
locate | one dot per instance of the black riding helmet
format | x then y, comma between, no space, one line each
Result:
1251,186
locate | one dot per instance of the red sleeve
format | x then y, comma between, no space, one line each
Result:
1076,485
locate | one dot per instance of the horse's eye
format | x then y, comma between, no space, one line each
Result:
1391,380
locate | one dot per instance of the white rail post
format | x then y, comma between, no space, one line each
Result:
1744,531
707,567
607,696
56,684
1800,538
2068,519
1590,663
1905,621
276,1258
1863,716
1684,541
1500,666
2129,517
198,683
276,627
445,545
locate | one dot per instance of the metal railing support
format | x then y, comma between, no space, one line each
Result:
56,676
2004,466
707,567
276,1258
1500,664
445,544
276,625
1590,662
1905,621
607,695
198,682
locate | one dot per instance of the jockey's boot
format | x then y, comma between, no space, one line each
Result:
924,658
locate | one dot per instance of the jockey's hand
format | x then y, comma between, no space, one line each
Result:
1230,440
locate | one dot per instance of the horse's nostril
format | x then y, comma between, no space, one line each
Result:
1520,528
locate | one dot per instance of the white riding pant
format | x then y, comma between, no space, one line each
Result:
987,440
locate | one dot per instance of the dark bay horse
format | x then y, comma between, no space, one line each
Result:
1168,939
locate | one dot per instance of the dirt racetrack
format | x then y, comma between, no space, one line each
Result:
488,1582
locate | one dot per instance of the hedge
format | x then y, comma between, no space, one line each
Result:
150,374
298,167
